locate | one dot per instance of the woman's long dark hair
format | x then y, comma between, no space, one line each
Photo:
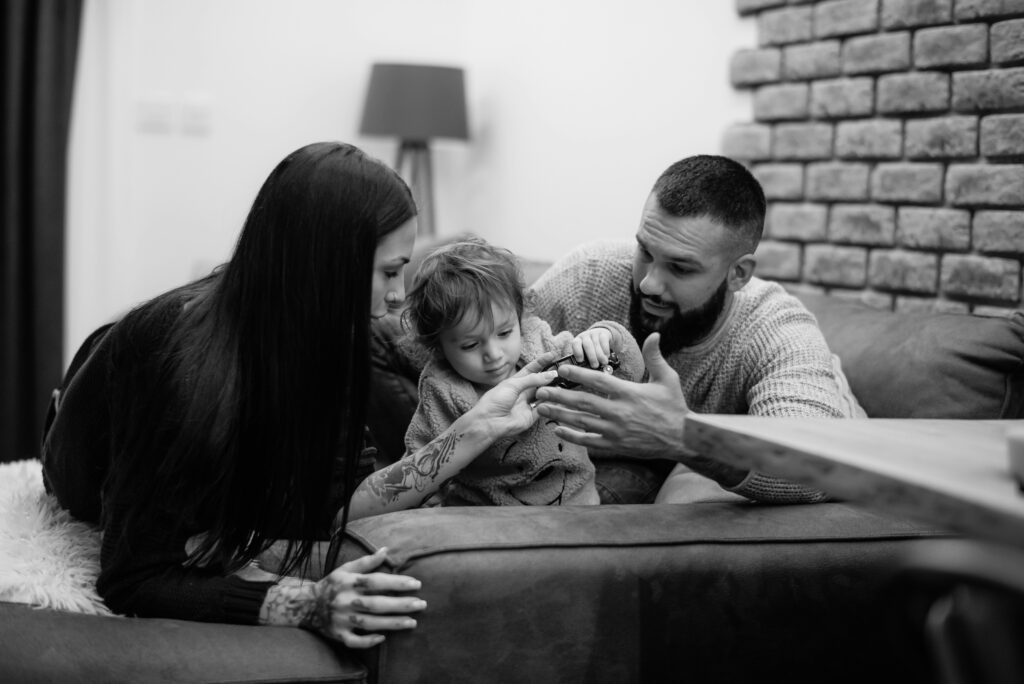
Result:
264,380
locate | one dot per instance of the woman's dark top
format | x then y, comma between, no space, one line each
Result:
143,570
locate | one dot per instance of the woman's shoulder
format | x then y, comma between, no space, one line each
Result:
153,320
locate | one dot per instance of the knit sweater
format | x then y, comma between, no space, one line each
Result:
768,358
533,467
141,565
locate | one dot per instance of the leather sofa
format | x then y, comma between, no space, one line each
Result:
708,592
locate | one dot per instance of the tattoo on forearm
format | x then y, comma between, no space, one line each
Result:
287,602
416,471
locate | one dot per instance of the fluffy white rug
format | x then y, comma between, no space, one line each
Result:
47,558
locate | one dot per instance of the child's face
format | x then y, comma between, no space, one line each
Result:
483,353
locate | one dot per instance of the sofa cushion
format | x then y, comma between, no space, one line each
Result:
41,645
926,365
718,592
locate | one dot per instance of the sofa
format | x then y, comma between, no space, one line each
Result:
705,592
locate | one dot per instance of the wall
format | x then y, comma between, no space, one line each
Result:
184,106
889,137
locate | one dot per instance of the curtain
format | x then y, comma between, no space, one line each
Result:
39,44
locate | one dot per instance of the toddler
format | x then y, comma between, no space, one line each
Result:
467,308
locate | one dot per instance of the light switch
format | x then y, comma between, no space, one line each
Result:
155,114
196,115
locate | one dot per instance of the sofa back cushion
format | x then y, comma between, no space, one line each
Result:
926,365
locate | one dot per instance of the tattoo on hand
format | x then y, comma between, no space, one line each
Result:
415,471
319,618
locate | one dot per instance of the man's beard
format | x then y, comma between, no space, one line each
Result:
680,329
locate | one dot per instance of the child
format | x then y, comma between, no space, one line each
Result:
466,307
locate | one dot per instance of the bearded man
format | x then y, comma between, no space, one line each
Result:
716,339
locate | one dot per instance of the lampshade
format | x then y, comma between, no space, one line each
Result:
415,102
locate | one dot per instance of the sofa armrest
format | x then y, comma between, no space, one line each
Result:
718,592
43,645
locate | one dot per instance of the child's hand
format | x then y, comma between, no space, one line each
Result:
593,346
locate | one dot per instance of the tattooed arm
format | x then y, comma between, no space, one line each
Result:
504,410
348,605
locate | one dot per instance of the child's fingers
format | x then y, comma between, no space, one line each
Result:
595,346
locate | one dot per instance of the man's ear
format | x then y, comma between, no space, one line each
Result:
741,271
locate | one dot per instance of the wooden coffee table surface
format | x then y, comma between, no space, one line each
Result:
952,473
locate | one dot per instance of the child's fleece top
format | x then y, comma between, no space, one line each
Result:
768,359
533,467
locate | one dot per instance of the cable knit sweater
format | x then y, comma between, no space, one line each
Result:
768,359
533,467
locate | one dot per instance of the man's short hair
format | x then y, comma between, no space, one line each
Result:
716,187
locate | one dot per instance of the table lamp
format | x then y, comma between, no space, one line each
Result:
416,102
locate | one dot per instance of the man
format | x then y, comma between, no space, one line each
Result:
715,339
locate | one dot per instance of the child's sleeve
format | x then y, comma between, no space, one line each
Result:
631,360
537,339
436,410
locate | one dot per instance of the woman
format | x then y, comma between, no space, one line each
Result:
229,413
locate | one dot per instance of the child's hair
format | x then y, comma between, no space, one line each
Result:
459,280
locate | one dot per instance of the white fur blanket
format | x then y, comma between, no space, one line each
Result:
47,558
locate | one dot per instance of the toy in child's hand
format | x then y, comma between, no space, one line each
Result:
611,366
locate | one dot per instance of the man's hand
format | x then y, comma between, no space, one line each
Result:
631,419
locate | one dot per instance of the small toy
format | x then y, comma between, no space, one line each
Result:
610,367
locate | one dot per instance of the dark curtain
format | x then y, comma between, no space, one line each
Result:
39,43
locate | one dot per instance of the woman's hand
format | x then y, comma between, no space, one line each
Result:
507,408
351,605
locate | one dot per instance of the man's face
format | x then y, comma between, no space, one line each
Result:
680,277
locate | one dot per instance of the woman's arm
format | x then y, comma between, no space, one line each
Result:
348,605
504,410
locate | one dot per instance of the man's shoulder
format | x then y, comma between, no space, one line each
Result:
589,283
761,298
589,256
764,309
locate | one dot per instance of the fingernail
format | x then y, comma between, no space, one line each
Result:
413,584
419,604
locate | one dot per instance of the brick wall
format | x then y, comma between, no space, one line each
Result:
889,138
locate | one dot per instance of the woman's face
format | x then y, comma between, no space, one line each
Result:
389,261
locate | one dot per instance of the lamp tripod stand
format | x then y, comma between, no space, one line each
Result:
414,164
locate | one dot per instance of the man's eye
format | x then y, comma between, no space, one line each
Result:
644,254
391,274
679,270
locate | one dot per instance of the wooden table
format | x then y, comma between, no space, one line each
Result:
952,473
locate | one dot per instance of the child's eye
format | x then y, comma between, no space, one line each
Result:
391,274
505,333
468,346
